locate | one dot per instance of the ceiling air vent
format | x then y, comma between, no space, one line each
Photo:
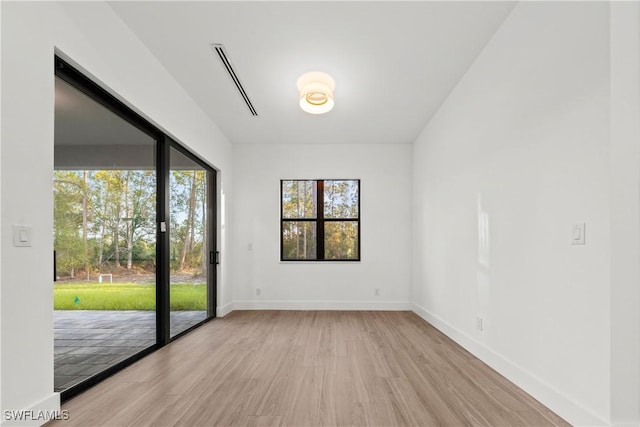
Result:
219,49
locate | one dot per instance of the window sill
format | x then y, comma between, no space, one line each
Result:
322,262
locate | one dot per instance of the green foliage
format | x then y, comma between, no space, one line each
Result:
105,220
341,199
341,240
126,296
68,192
144,251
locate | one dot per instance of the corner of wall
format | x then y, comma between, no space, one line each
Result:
540,390
625,213
459,155
224,310
39,413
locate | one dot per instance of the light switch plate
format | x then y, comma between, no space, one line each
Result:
577,236
21,236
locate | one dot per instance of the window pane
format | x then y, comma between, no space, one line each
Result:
341,199
188,243
299,240
341,240
299,199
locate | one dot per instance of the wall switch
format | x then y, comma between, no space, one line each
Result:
577,236
258,291
21,236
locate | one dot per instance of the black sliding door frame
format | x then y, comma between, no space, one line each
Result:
164,143
163,270
212,240
211,236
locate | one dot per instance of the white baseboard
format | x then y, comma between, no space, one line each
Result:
224,310
545,393
322,305
36,415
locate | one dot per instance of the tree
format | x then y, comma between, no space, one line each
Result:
139,209
111,183
109,217
299,202
69,239
188,219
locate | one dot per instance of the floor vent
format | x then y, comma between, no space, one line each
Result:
219,49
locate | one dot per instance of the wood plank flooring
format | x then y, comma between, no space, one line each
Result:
309,368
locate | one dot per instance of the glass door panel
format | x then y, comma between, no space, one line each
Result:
104,238
189,237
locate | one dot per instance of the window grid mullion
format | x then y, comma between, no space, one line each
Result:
320,220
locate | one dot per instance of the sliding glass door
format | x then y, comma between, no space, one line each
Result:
190,241
134,235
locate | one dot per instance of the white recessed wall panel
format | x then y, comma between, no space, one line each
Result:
384,171
514,158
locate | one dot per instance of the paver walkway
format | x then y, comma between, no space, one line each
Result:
87,342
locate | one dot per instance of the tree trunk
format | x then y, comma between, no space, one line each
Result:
102,236
116,236
129,248
205,231
189,229
85,190
128,221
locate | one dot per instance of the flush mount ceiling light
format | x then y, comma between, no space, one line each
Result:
316,92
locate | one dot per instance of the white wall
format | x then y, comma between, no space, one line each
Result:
92,36
384,171
625,213
517,154
525,146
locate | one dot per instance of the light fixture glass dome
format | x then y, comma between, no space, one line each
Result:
316,92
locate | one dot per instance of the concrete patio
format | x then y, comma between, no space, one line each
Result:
87,342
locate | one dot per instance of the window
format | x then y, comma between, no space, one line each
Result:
320,220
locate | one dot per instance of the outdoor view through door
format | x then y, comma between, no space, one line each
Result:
189,253
104,238
134,230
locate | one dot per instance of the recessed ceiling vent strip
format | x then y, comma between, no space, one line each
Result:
219,49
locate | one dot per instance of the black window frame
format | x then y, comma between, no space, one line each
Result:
320,221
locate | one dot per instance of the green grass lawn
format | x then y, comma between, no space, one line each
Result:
125,296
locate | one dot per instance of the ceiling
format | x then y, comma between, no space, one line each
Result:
393,63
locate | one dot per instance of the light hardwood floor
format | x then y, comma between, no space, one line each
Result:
309,368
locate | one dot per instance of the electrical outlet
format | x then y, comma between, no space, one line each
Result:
376,292
479,323
258,291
